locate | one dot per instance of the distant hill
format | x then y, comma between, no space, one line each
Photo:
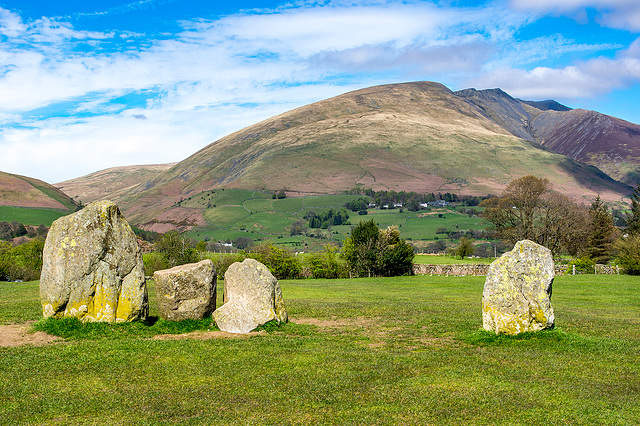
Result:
109,183
608,143
22,191
413,136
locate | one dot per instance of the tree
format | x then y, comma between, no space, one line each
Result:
176,249
327,264
633,217
298,227
602,232
530,209
361,250
243,242
18,229
370,251
280,261
465,248
628,249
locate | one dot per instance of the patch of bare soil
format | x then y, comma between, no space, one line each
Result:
13,335
208,335
380,336
334,322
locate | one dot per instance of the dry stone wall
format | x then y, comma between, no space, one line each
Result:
481,269
460,270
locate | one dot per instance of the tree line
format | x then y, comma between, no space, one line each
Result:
368,252
411,200
530,209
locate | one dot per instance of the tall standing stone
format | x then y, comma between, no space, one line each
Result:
517,290
186,291
92,267
252,297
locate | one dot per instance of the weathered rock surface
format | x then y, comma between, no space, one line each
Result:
252,297
517,290
186,291
92,267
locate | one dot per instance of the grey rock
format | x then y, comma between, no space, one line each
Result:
517,290
252,297
92,267
186,291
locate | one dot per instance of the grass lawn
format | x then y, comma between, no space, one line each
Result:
382,351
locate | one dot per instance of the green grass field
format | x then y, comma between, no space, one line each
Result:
384,351
257,215
29,216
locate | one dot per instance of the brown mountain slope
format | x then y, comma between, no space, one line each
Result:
413,136
611,144
22,191
110,183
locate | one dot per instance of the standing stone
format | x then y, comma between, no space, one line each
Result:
186,291
517,291
252,297
92,267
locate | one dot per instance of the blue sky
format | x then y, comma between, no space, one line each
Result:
87,85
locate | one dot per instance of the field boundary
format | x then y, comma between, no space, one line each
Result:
482,269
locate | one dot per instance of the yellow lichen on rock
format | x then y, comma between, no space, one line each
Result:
87,257
517,291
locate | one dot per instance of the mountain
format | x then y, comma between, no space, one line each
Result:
22,191
608,143
110,183
413,136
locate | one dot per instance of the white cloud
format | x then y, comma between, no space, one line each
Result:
586,79
11,24
623,14
217,76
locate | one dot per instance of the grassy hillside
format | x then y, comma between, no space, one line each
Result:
405,350
413,137
231,214
23,191
107,184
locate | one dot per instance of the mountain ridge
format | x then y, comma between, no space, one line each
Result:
23,191
410,136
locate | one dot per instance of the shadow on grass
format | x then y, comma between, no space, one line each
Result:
489,338
74,329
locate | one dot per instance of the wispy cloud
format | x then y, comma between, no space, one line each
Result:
623,14
581,80
214,76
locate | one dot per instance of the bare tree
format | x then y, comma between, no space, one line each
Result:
530,209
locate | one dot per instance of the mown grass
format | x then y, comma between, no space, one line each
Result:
405,350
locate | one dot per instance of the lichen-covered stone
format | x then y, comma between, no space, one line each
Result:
517,290
186,291
92,267
252,297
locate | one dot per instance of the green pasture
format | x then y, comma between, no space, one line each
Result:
328,201
29,216
384,351
284,205
258,215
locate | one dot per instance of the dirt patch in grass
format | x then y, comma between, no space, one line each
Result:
380,336
208,335
13,335
335,322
